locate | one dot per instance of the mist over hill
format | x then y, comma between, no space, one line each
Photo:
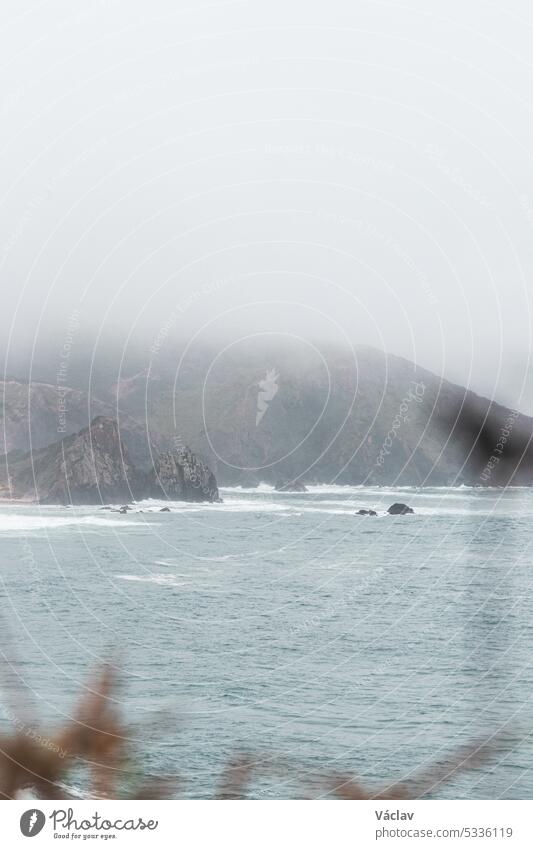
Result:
270,409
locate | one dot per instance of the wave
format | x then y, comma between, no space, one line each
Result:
14,522
346,489
233,505
161,580
265,504
262,487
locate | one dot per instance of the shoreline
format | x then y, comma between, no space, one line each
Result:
18,501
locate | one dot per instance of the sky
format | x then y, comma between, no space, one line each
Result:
357,172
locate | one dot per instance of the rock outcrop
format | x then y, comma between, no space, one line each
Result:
94,467
366,513
89,467
180,476
399,509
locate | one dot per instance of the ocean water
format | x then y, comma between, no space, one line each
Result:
284,626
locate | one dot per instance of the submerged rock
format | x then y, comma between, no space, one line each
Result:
290,486
399,509
366,513
165,510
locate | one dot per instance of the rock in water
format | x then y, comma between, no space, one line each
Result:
366,513
398,509
180,476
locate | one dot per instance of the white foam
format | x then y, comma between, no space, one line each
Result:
161,580
17,523
262,487
232,505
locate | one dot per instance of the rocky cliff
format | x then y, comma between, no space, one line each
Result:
94,467
89,467
180,476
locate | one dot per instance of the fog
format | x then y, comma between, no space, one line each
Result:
340,172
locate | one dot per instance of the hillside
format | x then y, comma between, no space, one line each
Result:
270,413
47,412
35,415
260,411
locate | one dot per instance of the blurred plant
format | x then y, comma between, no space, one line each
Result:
424,781
97,739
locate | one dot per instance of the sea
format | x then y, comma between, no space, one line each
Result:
285,629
